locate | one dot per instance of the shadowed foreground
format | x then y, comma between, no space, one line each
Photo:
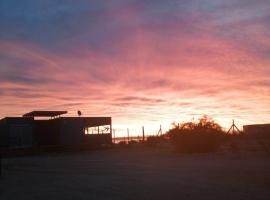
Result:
137,174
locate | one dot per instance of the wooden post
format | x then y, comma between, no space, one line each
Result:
111,128
114,136
143,133
128,135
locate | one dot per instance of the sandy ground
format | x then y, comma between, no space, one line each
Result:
136,174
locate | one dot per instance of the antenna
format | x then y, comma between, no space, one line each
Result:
79,113
233,129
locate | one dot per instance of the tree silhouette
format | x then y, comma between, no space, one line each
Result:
205,135
204,123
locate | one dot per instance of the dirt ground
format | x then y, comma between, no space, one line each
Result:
132,173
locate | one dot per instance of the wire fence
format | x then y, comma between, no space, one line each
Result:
128,135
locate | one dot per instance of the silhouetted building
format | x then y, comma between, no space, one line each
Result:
33,130
257,129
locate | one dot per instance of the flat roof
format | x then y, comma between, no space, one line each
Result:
249,125
40,113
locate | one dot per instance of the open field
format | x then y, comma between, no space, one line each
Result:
130,173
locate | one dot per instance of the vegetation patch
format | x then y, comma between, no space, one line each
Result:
202,136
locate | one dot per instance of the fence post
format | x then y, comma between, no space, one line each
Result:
143,133
114,136
128,135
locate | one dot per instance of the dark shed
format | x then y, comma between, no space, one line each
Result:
26,131
257,130
17,132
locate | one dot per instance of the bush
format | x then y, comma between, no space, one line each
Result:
133,142
122,143
153,141
201,137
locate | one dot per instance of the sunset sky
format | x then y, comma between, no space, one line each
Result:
141,62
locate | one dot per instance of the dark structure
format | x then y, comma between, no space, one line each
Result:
258,130
233,129
32,130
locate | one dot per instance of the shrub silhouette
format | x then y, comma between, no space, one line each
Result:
153,141
197,137
132,142
122,143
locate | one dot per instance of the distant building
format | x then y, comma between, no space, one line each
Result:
33,130
257,129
